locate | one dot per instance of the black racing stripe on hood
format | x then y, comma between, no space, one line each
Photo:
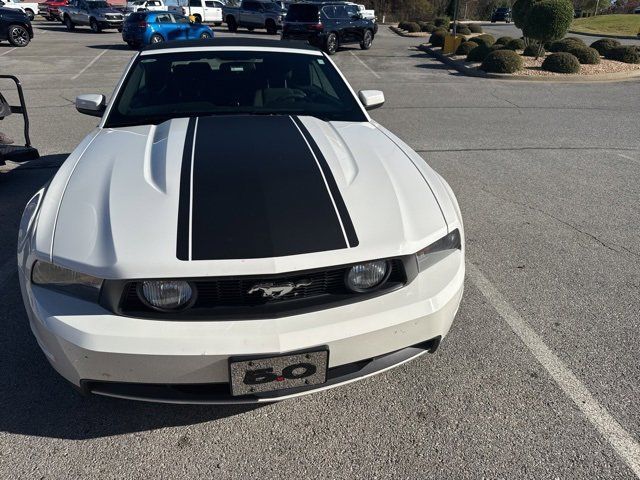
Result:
333,186
258,192
184,205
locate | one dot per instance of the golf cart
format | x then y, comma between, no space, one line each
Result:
16,153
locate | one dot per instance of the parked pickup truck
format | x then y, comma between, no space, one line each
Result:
97,14
31,9
367,14
145,6
208,11
255,14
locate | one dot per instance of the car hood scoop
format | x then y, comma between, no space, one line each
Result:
240,195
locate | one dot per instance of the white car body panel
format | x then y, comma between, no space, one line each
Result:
112,211
24,6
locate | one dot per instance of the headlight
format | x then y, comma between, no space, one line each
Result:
60,278
166,294
367,276
451,241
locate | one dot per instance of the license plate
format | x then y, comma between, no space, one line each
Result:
266,374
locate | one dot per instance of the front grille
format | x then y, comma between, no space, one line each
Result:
113,17
225,296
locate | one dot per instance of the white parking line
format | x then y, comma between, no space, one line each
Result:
621,441
627,157
97,57
8,51
365,65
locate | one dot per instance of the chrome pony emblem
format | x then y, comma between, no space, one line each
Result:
274,290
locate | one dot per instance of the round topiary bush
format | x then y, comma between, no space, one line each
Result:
437,37
585,55
576,40
547,19
442,22
465,48
412,27
502,61
475,28
515,44
426,27
403,25
484,39
479,53
561,62
532,51
563,45
624,53
504,40
463,31
497,46
605,44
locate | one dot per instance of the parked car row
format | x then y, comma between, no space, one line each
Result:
145,28
30,8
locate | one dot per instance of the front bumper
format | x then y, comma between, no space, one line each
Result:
111,24
121,356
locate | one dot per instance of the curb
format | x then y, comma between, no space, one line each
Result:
402,33
606,35
474,72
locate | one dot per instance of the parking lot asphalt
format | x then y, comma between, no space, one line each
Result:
539,376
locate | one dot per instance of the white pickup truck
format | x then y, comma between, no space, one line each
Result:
368,14
145,5
207,11
31,9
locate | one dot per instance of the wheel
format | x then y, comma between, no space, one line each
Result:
30,13
217,24
331,44
232,25
205,35
18,36
198,18
95,27
271,27
69,24
367,40
156,38
493,21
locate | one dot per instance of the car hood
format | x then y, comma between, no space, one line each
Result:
241,195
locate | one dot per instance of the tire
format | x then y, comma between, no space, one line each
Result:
331,44
156,38
69,24
271,27
18,36
205,35
198,18
250,29
95,27
30,14
217,24
367,40
231,24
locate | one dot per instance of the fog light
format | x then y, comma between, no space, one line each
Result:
367,276
165,294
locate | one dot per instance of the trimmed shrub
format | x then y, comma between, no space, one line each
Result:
561,62
465,48
504,40
403,25
624,53
547,45
515,44
532,51
475,28
585,55
484,39
442,22
563,45
577,40
426,27
497,46
548,20
605,44
479,53
437,37
412,27
502,61
519,11
463,31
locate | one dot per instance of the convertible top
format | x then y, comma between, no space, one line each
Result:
231,42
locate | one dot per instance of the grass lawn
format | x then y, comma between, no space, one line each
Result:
620,24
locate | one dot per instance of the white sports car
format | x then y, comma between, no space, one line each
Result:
237,229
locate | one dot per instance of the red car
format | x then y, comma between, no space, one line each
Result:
50,9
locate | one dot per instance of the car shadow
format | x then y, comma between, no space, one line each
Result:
119,47
36,401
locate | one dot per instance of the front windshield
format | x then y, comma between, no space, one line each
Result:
271,7
98,4
173,85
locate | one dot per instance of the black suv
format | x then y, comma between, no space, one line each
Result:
15,27
328,25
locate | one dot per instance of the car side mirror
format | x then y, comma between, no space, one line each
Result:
371,99
91,104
